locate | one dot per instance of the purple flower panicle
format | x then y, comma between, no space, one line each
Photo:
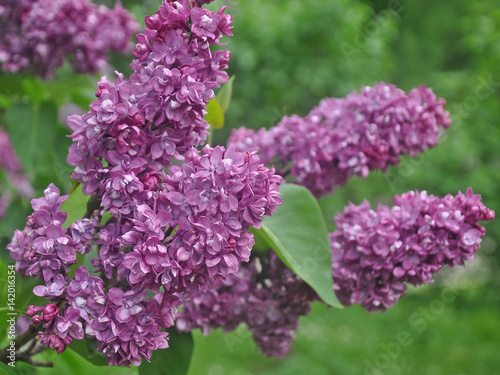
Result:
376,252
348,137
137,126
129,328
37,35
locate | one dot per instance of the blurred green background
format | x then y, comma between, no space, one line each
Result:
287,56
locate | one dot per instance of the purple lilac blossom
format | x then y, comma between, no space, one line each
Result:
129,328
348,137
37,35
265,295
376,252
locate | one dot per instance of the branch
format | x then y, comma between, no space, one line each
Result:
20,341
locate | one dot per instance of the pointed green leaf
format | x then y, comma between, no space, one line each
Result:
225,94
174,360
215,114
297,232
75,206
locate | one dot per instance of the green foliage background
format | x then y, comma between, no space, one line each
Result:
287,56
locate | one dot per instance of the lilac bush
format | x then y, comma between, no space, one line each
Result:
169,217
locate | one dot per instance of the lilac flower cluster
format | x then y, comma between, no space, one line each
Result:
38,34
136,127
349,136
265,295
127,326
194,229
60,330
10,165
375,252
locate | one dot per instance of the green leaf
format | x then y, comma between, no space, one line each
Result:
32,130
34,88
19,119
297,232
74,185
87,349
6,369
174,360
261,242
225,94
215,114
75,206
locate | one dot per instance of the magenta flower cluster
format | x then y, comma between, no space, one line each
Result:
37,35
160,235
265,296
350,136
15,176
377,252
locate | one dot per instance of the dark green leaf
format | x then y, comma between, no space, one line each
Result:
297,231
174,360
215,114
75,206
225,94
87,349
